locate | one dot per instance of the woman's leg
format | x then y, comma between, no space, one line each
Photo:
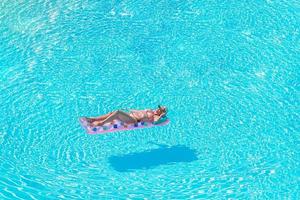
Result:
100,118
120,115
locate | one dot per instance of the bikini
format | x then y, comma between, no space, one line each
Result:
146,116
152,113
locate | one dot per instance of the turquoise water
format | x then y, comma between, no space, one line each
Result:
228,71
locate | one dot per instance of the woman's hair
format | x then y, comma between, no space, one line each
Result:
163,109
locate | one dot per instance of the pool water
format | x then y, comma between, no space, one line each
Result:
227,70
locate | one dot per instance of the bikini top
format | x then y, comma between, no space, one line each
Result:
146,115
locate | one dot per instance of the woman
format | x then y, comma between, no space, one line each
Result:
133,116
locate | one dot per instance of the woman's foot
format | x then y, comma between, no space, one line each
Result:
89,120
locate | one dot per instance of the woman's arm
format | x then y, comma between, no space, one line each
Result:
157,118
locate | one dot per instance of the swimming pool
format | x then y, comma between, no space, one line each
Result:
227,70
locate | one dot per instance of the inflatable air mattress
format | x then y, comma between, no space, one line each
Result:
119,126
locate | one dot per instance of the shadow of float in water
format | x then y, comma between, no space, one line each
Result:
149,159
